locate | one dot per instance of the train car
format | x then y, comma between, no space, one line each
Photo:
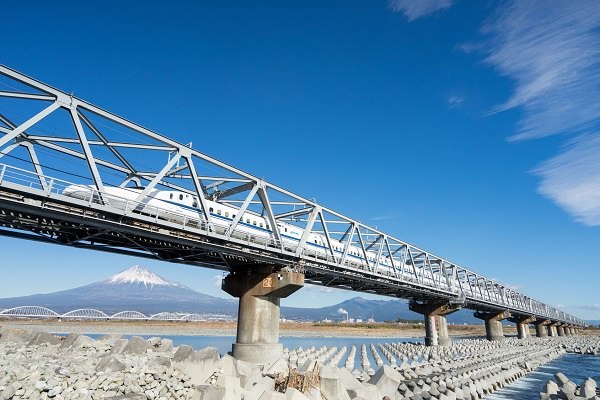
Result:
177,206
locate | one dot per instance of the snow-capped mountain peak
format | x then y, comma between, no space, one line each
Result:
140,275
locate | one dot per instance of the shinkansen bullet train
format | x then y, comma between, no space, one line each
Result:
176,205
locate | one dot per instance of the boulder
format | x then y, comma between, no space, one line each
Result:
44,338
110,363
136,345
199,365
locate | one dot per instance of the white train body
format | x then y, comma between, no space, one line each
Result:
178,206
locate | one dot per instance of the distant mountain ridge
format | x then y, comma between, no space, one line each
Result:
136,289
139,289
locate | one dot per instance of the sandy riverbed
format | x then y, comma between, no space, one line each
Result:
206,328
295,329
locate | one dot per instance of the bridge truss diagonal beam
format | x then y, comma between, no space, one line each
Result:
118,152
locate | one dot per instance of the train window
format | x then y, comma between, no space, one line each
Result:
219,212
233,216
171,196
260,224
195,202
267,226
227,213
286,229
247,220
211,210
254,222
315,240
180,196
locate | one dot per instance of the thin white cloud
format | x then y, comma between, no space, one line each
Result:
217,280
572,179
455,101
415,9
322,289
550,50
590,306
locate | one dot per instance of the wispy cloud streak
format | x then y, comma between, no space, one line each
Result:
415,9
551,50
572,179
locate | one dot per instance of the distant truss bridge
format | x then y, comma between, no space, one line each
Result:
93,314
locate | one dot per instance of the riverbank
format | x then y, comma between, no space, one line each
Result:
222,328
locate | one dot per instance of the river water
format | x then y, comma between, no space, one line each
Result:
576,367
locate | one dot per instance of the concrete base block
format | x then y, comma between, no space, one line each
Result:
248,372
348,380
231,385
199,365
294,394
331,384
208,392
367,391
272,396
387,381
260,354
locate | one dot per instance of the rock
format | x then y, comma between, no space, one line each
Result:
8,392
110,363
208,392
387,380
43,338
136,345
130,396
199,365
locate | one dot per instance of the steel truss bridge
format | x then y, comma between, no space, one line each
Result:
94,314
50,140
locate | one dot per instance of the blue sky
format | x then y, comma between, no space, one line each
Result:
467,128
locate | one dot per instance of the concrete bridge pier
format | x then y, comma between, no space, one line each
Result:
493,323
436,325
260,289
541,329
522,323
560,329
552,329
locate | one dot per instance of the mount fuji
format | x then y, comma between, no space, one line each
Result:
137,289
